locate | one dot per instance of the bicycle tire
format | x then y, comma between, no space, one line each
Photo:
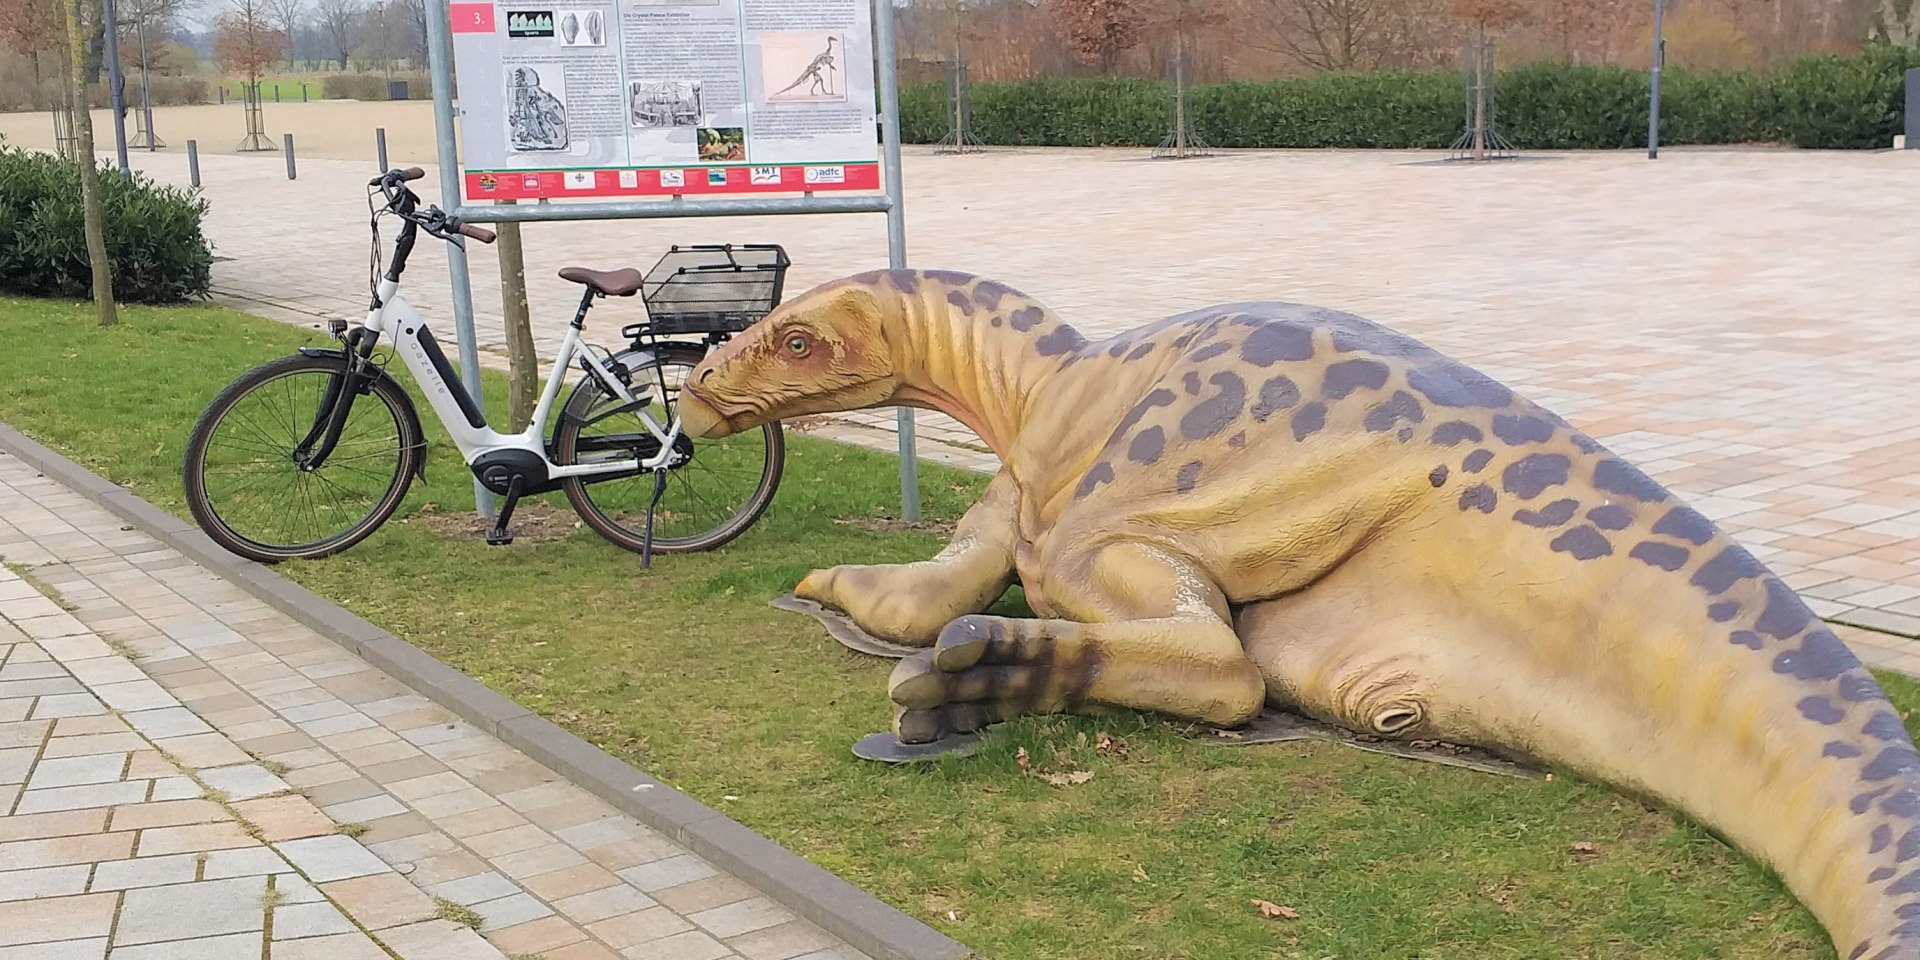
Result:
205,505
631,537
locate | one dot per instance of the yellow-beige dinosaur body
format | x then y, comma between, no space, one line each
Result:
1267,502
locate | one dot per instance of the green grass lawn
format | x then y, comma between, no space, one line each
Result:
685,671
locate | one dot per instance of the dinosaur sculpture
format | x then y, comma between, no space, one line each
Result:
1266,502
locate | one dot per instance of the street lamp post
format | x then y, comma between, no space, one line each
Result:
114,94
1659,60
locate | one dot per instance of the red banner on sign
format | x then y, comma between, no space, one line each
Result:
687,181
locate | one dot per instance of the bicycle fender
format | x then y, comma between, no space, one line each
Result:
406,405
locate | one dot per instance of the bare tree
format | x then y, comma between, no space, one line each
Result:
1335,34
94,222
285,16
340,23
246,41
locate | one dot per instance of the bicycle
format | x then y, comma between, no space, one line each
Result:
291,460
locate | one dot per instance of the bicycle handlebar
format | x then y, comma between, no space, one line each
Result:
481,234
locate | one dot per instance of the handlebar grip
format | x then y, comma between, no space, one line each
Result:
412,173
481,234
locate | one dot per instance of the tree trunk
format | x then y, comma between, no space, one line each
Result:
523,366
89,170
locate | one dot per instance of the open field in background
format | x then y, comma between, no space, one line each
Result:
331,129
685,671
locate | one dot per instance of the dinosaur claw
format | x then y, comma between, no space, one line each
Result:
917,684
963,643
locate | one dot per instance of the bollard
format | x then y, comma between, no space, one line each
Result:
1913,109
276,93
380,146
223,93
193,162
303,91
289,156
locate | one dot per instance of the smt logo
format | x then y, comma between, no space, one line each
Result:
826,174
530,23
766,175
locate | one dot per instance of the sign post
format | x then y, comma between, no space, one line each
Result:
640,109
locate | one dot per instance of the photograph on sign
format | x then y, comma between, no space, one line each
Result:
553,88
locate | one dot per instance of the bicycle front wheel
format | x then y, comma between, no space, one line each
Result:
247,492
720,489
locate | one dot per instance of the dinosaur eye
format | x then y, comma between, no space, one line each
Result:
798,345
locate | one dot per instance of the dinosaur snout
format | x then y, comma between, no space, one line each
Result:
698,418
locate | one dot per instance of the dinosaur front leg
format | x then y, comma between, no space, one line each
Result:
1157,637
910,602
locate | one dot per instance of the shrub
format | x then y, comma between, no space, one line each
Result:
1814,102
154,240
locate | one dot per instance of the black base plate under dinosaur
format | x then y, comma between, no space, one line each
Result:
1271,726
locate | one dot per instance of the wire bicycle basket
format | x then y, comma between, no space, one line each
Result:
712,288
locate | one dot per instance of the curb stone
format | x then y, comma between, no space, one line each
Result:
809,890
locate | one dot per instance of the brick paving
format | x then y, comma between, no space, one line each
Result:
187,774
1737,322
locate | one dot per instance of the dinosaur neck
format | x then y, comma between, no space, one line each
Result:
978,363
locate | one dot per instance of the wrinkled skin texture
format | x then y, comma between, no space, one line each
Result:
1272,503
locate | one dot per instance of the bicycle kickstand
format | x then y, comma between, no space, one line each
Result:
499,536
646,542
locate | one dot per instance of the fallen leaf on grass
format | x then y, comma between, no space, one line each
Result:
1585,848
1271,910
1021,759
1139,874
1067,779
1229,734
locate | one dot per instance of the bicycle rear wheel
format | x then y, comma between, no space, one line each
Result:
714,496
245,489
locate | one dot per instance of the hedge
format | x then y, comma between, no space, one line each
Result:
154,239
1815,102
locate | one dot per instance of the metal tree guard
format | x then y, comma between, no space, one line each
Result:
65,141
1482,139
959,138
257,140
1181,142
143,120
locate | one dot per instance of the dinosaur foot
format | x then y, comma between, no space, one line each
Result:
1280,726
842,628
886,747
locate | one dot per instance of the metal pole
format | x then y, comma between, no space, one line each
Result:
146,82
115,95
1659,60
193,162
290,174
440,57
380,147
896,229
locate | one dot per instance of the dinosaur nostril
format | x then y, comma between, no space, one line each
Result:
704,374
1396,717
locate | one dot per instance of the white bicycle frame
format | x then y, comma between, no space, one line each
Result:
402,325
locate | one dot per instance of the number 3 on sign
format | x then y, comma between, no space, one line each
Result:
471,17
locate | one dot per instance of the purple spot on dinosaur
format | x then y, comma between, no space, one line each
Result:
1354,335
1882,836
1879,874
1515,431
1905,885
1861,802
1728,567
989,293
960,302
1456,432
1439,476
1192,382
1308,420
1785,614
1479,497
1621,477
1102,472
1401,406
1685,523
1404,434
1552,515
1723,611
1212,415
1840,750
1583,542
1610,516
1452,384
1158,398
995,320
1147,446
1188,476
1477,461
1864,946
1238,440
1820,656
1909,846
1140,351
1349,375
1276,394
1860,686
1666,556
1026,318
1270,343
1062,339
1180,342
1821,710
1892,762
1210,351
1586,444
1746,638
952,278
1887,727
1527,477
1904,802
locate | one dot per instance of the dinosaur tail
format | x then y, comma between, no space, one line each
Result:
1771,732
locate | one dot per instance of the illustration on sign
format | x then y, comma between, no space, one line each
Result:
783,89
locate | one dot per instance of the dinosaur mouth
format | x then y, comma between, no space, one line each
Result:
699,418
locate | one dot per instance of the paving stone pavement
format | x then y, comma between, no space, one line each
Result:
1736,322
188,774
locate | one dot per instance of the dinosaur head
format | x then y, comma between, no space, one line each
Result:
823,351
